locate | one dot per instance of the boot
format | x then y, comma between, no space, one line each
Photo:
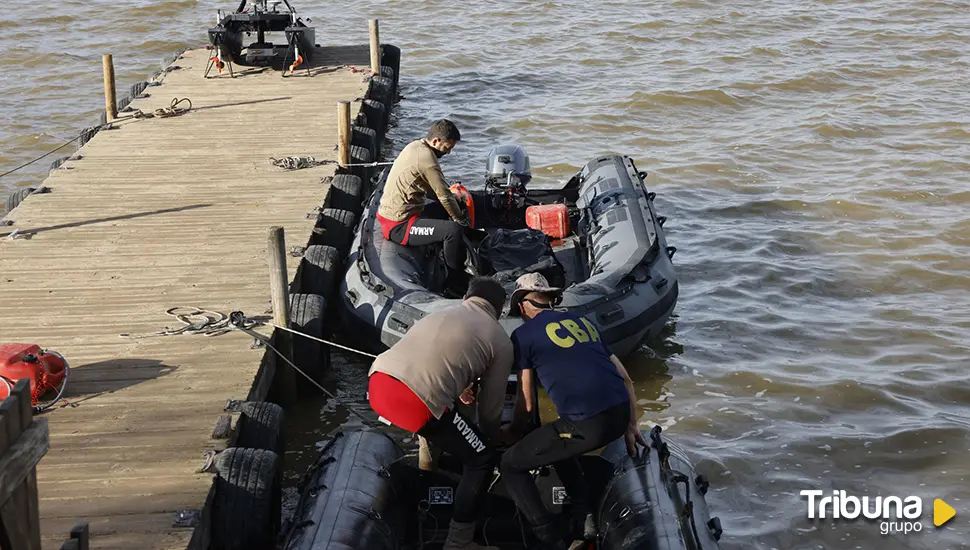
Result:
460,537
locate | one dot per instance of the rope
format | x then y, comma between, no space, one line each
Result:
299,163
214,323
171,110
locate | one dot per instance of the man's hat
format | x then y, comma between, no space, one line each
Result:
530,282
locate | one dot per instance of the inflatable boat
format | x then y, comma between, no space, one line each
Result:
363,491
598,236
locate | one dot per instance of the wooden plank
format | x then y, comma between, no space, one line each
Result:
20,459
158,213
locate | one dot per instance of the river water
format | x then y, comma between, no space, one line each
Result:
811,157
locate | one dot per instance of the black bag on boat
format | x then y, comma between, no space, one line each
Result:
507,254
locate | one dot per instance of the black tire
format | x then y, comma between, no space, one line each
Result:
365,138
306,316
86,135
137,88
261,427
17,197
245,512
346,191
382,89
57,163
319,270
359,155
391,57
338,228
376,114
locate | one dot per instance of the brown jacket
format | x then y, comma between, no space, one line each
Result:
443,353
414,174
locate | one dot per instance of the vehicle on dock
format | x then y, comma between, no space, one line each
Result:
597,236
363,491
261,17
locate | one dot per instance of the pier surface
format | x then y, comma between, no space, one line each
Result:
158,213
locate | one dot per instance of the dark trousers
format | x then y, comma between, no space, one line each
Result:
459,436
434,226
544,447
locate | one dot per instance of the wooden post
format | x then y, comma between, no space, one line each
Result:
23,441
280,296
110,105
375,47
343,132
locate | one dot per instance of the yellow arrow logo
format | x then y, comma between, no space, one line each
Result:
942,512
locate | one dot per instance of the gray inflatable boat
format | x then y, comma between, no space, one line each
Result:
364,492
614,263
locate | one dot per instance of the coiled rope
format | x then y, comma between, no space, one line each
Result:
299,163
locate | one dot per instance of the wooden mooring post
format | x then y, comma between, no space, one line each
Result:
280,297
110,103
375,46
343,133
24,441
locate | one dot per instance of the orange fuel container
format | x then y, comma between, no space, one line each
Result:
551,219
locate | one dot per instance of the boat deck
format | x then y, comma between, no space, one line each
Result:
158,213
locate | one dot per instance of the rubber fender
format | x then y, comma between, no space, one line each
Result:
312,357
337,228
350,497
318,271
382,89
359,155
260,426
376,114
137,88
391,57
245,498
362,136
17,197
346,191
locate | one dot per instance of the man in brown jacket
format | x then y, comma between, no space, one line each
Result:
402,214
415,384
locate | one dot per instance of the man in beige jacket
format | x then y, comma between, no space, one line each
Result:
402,213
416,383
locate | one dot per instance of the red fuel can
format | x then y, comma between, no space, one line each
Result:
45,369
551,219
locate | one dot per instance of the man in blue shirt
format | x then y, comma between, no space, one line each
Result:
593,395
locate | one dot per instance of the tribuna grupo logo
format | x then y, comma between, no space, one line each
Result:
896,514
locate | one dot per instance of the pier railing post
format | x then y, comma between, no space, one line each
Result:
375,47
110,105
343,132
280,296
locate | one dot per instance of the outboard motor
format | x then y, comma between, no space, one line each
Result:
507,172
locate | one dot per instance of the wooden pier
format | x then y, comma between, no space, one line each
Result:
156,213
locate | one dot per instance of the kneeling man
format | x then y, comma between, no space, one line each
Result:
593,395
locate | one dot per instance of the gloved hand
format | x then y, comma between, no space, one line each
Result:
463,220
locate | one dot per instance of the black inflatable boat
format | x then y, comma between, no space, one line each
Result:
364,492
609,251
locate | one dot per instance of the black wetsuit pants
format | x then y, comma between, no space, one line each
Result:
544,446
458,436
434,226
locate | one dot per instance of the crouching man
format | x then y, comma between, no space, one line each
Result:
415,385
593,395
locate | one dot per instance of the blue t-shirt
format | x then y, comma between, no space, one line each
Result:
571,362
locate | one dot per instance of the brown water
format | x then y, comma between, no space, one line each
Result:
812,160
